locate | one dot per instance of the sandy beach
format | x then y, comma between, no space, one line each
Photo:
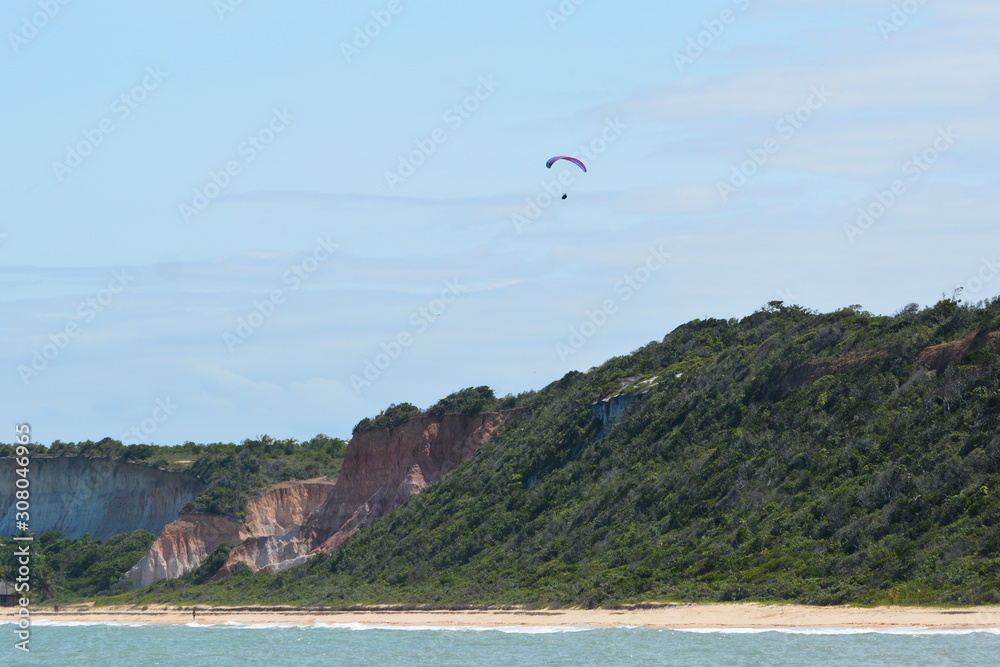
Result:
676,616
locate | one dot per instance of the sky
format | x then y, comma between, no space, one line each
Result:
225,218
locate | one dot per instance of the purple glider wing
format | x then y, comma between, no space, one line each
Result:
552,161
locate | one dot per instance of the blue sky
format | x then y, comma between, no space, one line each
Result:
223,219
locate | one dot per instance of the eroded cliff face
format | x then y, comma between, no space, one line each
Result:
186,542
810,371
609,411
382,469
291,521
937,358
79,494
182,546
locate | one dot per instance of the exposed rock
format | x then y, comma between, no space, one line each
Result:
103,497
812,370
610,410
291,521
938,357
272,553
186,542
284,507
935,358
182,546
382,468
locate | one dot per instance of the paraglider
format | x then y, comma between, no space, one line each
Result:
553,160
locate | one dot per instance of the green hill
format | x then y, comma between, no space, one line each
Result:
789,455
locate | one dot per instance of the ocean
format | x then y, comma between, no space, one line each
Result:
60,643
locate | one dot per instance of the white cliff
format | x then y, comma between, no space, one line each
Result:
103,497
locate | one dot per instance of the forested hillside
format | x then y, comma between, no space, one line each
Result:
790,455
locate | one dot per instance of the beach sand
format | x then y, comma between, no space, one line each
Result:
677,616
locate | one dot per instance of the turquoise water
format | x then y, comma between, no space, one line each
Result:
354,644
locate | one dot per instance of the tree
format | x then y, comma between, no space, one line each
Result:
469,401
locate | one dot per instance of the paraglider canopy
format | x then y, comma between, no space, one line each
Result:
552,160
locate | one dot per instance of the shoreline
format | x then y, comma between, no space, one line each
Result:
680,616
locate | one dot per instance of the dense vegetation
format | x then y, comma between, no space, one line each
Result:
64,569
470,401
394,415
741,475
234,473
